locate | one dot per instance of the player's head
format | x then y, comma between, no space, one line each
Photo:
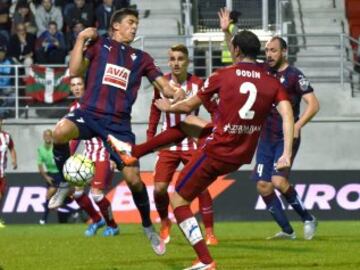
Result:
47,136
124,23
77,86
246,45
275,51
178,59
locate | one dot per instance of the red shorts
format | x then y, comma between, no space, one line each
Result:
103,175
167,163
2,185
199,173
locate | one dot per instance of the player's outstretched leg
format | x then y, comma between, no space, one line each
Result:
310,222
207,214
123,149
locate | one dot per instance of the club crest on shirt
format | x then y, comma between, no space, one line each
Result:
133,56
303,83
116,76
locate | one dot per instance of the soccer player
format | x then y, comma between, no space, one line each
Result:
95,151
170,158
114,71
48,170
246,96
271,142
7,144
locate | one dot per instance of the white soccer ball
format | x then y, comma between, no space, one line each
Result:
78,170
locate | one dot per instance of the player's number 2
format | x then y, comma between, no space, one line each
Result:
245,112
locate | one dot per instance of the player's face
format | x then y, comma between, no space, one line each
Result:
77,87
127,28
47,137
274,54
178,62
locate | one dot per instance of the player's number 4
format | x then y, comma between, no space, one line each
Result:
245,112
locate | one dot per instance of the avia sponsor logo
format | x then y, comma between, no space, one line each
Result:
324,197
125,211
116,76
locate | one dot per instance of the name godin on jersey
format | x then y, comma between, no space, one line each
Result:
241,129
116,76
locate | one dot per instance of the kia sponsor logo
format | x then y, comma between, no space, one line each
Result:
323,197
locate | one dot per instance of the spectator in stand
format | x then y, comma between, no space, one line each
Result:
50,46
103,15
79,11
7,96
5,22
22,46
46,13
23,14
70,37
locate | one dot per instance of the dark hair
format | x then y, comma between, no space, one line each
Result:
76,76
248,43
283,44
120,14
180,48
234,16
52,23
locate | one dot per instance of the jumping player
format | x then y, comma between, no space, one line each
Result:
246,96
169,159
113,79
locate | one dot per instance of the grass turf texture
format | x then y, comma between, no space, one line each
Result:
242,246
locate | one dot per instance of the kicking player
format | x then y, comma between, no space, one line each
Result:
170,158
95,151
113,79
246,96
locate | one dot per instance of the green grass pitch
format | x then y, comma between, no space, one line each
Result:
242,246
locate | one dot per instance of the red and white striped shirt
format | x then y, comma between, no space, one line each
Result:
191,86
6,143
94,148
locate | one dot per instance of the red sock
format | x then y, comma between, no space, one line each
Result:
162,204
206,209
169,136
182,213
85,203
105,209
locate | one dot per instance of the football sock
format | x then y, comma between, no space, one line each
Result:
293,199
274,206
46,212
206,209
191,230
85,203
169,136
162,204
141,200
61,154
105,209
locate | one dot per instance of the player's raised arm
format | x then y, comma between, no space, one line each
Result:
285,110
170,91
77,61
183,106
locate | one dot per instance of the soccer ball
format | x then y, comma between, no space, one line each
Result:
78,170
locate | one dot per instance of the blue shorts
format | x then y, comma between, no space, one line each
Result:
90,126
266,157
57,179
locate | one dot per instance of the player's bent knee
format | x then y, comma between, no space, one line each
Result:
64,131
264,188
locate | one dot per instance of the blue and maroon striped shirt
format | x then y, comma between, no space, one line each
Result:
114,77
296,85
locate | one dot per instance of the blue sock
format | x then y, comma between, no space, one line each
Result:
273,205
141,200
61,154
293,199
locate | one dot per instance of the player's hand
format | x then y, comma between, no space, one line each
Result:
178,95
50,180
163,104
283,163
224,17
14,165
88,33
